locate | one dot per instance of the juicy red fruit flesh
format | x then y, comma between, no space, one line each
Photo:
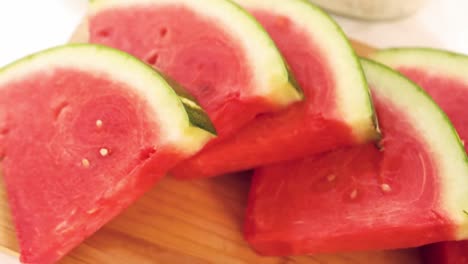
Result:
78,149
308,127
356,198
451,95
190,49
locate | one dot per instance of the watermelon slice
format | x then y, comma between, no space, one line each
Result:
444,76
211,47
337,110
410,190
84,131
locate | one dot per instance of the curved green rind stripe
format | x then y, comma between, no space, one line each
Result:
291,79
436,131
187,127
197,116
375,133
451,64
273,80
364,124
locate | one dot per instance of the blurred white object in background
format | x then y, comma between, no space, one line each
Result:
371,9
27,26
438,24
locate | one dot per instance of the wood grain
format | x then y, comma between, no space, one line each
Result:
187,222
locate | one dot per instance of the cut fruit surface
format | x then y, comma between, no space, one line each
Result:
84,131
337,110
444,76
216,50
409,191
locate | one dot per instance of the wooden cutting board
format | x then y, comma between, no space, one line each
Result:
187,222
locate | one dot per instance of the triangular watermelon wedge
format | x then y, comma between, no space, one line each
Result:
215,49
444,75
337,110
410,190
84,131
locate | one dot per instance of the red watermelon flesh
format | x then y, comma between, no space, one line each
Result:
79,145
51,142
355,198
191,49
451,94
308,127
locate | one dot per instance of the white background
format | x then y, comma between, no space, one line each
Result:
27,26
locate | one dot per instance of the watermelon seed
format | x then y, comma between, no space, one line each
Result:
104,152
62,227
146,153
331,177
163,32
59,109
104,33
92,211
153,58
353,194
463,142
99,123
85,163
386,188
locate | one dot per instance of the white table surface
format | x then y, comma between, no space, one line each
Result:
27,26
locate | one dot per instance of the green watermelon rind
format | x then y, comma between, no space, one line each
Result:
454,65
441,137
183,123
272,80
197,116
354,102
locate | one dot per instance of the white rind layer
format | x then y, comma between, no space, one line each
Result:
354,105
271,77
432,61
168,110
436,132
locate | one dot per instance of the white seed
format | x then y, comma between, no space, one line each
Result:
104,152
99,123
353,194
463,142
61,225
331,177
85,163
92,211
386,188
